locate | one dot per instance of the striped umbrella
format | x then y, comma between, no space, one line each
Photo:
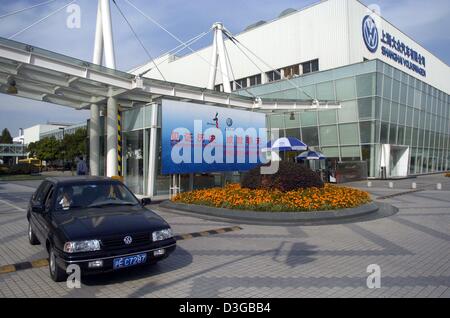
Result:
311,155
286,144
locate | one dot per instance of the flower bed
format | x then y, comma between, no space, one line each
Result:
447,175
233,196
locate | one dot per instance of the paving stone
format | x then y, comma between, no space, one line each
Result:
412,249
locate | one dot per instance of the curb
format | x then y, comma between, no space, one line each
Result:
274,216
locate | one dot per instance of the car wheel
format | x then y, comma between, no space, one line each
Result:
56,272
31,236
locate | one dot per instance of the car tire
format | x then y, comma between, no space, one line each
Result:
31,236
56,272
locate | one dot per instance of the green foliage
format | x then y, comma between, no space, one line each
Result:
32,149
18,169
48,149
6,138
290,176
51,149
74,145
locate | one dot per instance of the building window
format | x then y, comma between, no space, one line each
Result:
310,66
218,88
292,71
255,80
241,83
273,76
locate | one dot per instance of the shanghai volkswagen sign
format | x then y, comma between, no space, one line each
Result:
392,47
370,33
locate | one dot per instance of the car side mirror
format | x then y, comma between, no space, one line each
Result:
146,201
38,208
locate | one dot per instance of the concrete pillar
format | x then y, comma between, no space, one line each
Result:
152,155
94,141
111,137
264,79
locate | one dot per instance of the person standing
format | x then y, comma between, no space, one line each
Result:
81,167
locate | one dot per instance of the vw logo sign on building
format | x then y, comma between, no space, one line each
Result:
370,33
128,240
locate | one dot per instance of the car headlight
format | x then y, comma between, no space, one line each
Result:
82,246
162,235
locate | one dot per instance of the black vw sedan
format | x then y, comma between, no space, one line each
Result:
97,224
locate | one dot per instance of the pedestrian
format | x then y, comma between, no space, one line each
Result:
81,167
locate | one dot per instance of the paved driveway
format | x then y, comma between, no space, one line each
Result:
412,249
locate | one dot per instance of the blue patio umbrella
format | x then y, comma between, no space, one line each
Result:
311,155
286,144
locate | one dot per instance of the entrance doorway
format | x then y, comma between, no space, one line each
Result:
395,161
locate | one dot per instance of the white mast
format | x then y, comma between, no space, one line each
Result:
104,44
219,55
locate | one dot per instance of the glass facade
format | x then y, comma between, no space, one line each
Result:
136,124
381,105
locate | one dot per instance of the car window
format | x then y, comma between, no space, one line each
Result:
70,197
49,199
41,192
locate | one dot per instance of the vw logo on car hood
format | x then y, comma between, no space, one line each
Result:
370,33
128,240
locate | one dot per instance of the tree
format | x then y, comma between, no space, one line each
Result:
32,149
6,138
47,149
74,145
68,149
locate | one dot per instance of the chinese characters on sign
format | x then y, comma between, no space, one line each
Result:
394,46
210,139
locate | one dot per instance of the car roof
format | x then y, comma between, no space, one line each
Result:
79,180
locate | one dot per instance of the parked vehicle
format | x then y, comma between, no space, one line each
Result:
97,224
32,161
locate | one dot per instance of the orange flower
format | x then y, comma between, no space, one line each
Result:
233,196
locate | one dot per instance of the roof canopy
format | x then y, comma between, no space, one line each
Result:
55,78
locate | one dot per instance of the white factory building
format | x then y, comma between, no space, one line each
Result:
393,91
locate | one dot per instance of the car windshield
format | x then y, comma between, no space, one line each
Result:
93,195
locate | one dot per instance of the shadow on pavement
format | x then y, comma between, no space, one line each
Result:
178,259
299,253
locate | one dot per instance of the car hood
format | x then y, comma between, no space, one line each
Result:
96,223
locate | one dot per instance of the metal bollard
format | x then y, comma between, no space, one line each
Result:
391,185
414,185
369,184
439,186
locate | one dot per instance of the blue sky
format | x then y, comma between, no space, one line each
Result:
425,21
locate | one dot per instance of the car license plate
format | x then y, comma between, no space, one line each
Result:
128,261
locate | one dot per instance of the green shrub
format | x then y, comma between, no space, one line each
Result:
290,176
4,170
21,168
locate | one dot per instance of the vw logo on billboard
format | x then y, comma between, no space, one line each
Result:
370,33
128,240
